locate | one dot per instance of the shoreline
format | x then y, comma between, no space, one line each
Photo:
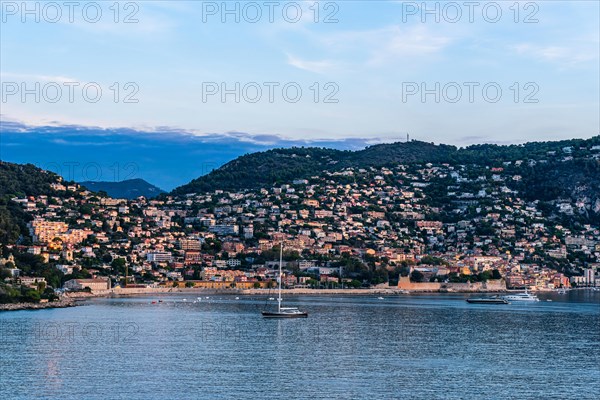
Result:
132,292
125,292
63,303
75,299
119,291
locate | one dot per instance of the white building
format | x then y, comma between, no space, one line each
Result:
159,256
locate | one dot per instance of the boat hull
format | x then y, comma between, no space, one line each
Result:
487,301
267,314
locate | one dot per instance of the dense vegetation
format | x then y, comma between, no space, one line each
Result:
283,165
19,181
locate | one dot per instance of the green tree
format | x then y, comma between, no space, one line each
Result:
417,276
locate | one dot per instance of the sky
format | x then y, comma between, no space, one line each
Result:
166,158
168,90
502,72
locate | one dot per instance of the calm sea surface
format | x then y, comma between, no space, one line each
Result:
409,346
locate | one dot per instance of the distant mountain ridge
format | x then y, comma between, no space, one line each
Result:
284,165
149,151
127,189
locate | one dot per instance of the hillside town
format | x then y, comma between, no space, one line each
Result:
352,228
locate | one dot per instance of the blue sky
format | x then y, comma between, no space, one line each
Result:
368,72
368,61
165,157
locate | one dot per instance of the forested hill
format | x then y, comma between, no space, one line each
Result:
24,180
284,165
19,181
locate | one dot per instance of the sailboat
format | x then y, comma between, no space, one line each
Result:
283,312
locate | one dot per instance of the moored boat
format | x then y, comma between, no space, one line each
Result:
487,300
283,312
521,297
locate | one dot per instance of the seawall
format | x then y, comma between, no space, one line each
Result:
498,285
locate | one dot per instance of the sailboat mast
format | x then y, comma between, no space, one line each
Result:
280,276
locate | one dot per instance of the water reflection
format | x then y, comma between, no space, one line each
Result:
425,346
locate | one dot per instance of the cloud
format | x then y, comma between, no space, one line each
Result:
79,135
140,19
566,55
318,67
391,43
397,43
37,77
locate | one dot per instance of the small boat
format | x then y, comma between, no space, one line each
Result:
237,298
380,298
561,291
271,298
521,297
487,300
160,301
153,302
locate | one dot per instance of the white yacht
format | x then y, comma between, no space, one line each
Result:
521,297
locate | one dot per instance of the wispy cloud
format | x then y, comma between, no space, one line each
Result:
138,19
319,67
387,44
397,42
550,53
582,52
5,76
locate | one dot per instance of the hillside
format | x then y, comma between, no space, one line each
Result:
127,189
19,181
283,165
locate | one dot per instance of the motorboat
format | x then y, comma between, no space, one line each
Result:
521,297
